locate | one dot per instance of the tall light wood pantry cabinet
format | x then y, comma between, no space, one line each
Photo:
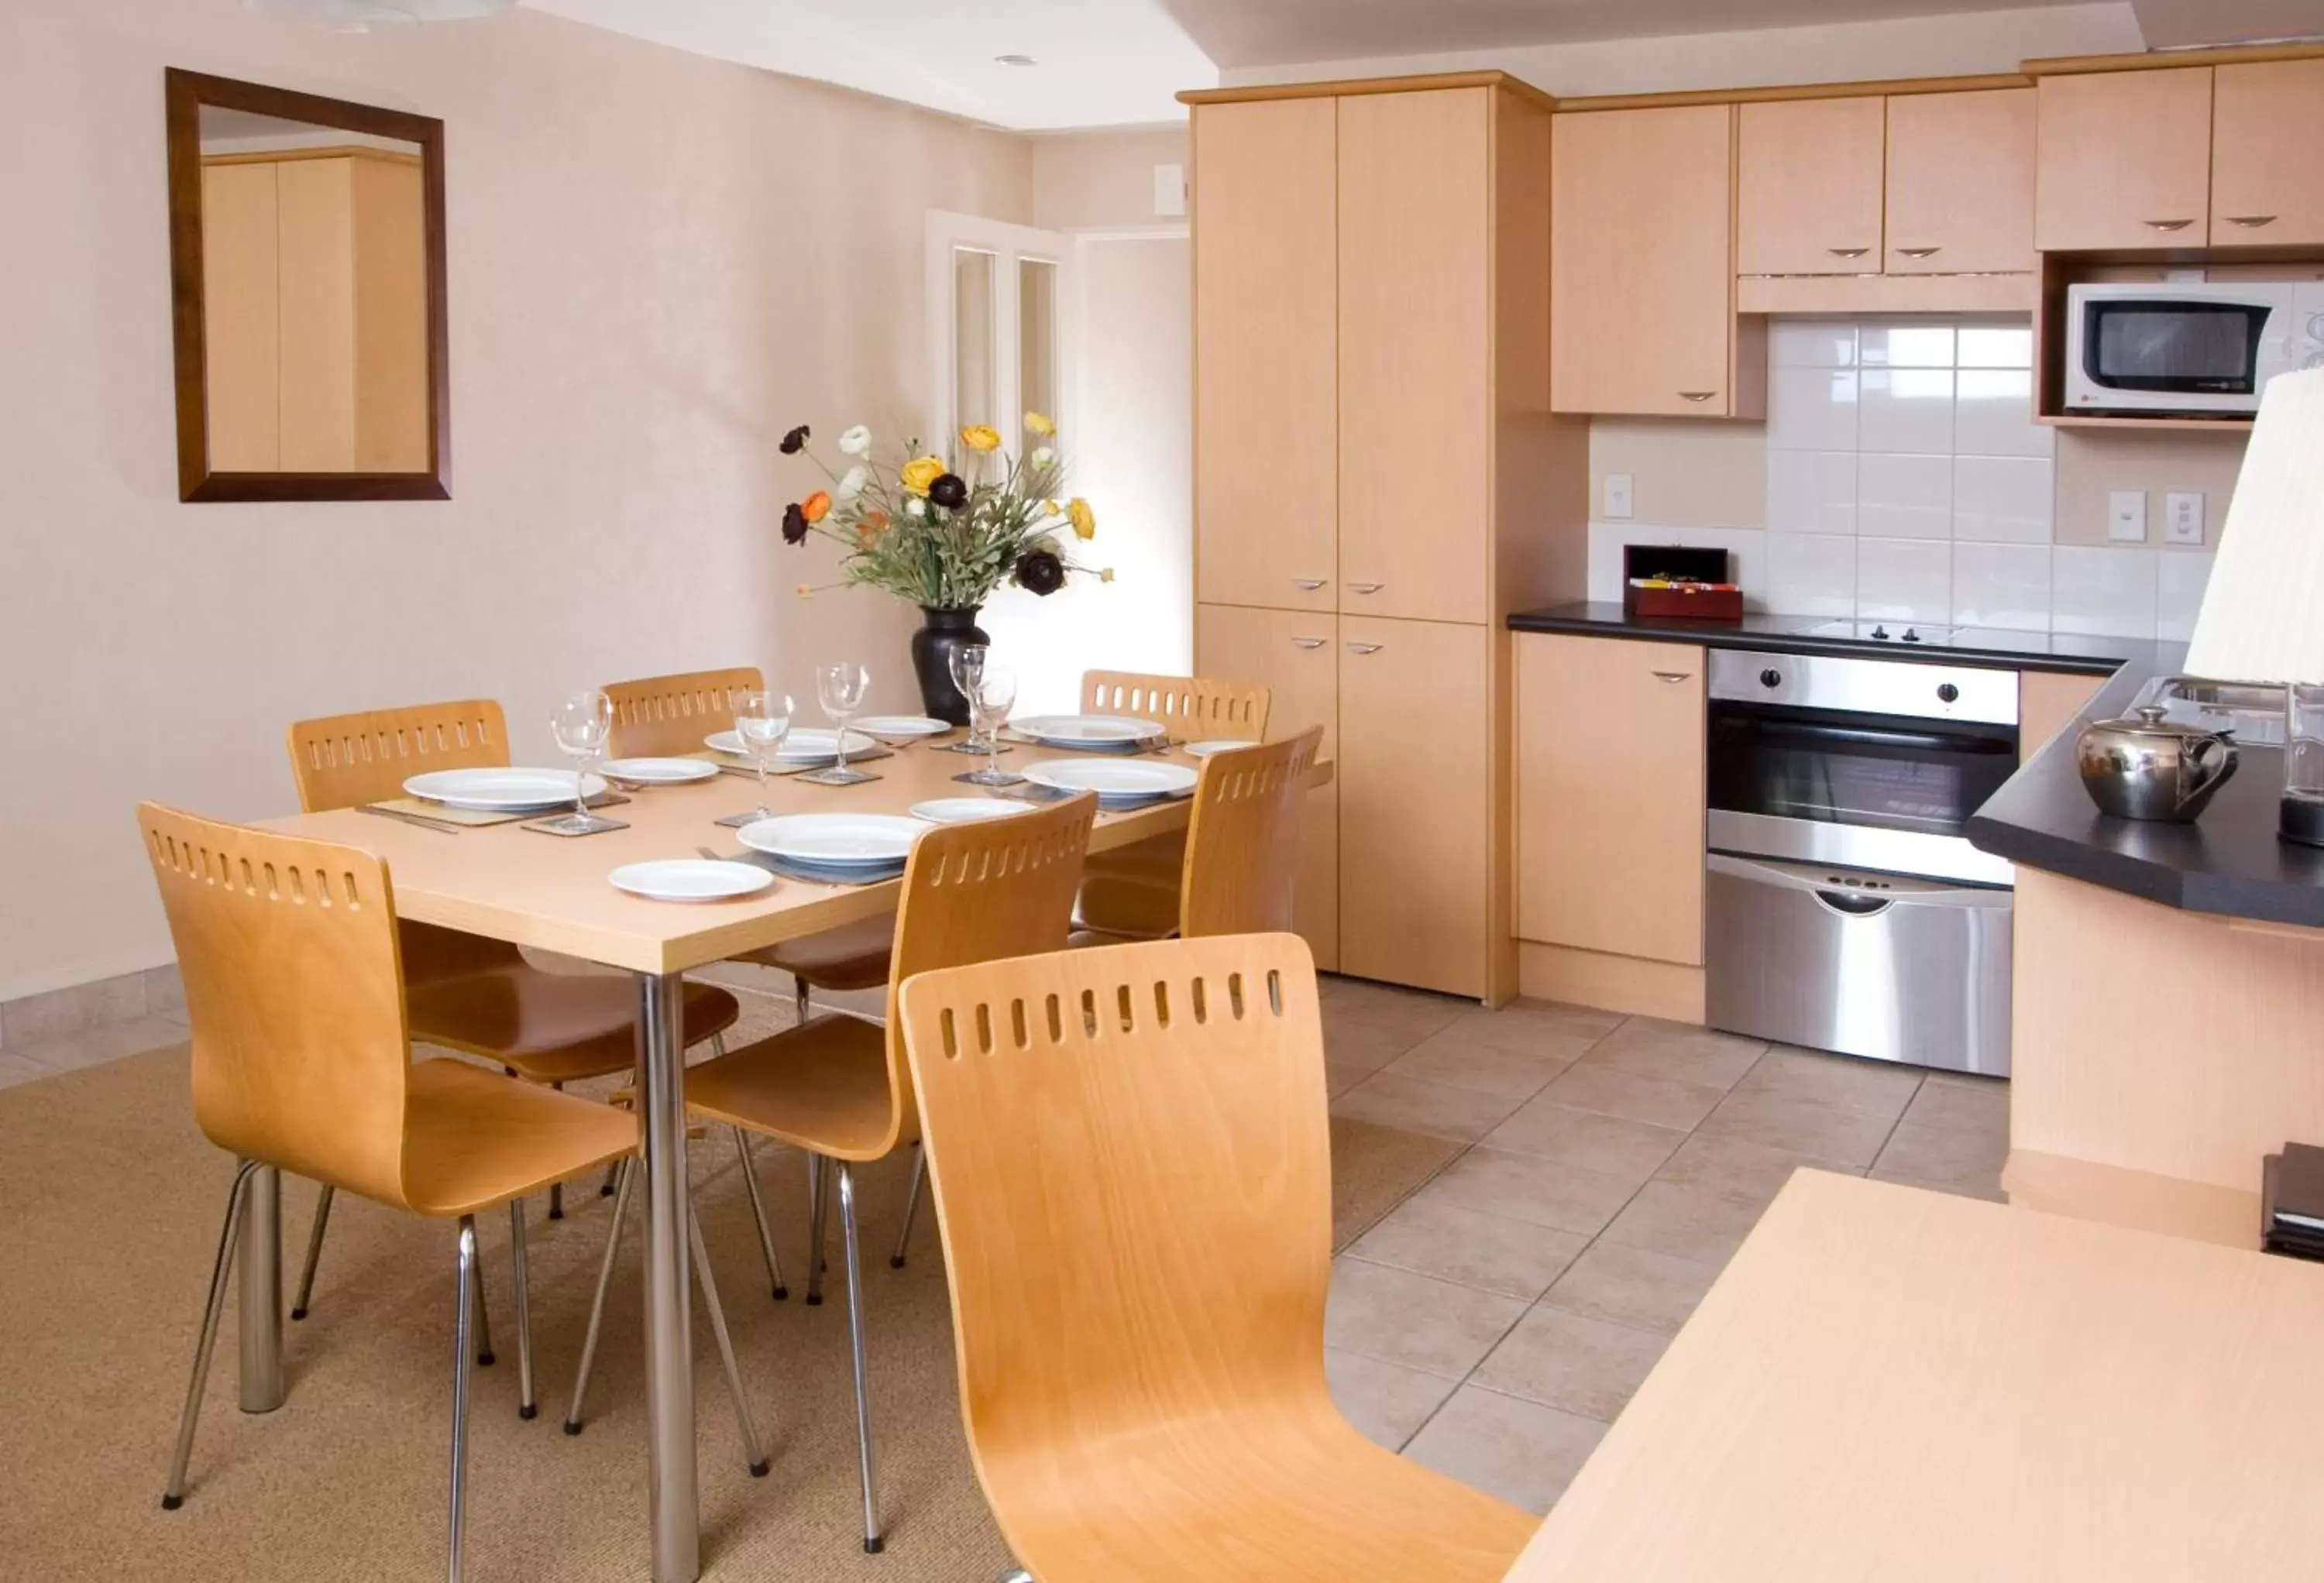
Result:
1379,482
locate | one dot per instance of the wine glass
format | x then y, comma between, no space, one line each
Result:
761,721
989,704
840,687
968,663
582,726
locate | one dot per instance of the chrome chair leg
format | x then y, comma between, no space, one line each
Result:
622,1178
470,1287
173,1494
911,1205
759,1213
314,1251
526,1407
873,1543
818,1191
483,1315
752,1450
1019,1576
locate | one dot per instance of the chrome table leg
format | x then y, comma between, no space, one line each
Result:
173,1495
314,1252
871,1540
675,1517
258,1304
911,1205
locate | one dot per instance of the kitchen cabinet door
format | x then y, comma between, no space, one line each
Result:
1266,358
1642,262
2047,703
2267,144
1416,355
1609,796
1296,655
1415,800
2125,159
1809,176
1960,183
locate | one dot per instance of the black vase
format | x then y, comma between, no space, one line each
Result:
947,632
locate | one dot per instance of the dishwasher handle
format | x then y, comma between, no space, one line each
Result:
1849,902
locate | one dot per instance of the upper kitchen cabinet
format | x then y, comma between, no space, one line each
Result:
1960,183
1416,353
1642,271
2267,145
1267,353
2125,159
1809,180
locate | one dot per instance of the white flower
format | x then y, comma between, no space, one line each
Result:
916,507
1044,458
852,483
856,441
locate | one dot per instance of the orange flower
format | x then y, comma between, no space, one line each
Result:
815,507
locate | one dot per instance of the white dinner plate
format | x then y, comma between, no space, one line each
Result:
835,839
500,791
905,727
1117,783
803,744
691,879
967,810
1088,731
1204,749
660,772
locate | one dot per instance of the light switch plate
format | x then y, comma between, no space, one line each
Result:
2183,517
1169,192
2127,515
1619,504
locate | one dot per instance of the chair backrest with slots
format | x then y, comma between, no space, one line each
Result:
1194,707
665,716
1242,838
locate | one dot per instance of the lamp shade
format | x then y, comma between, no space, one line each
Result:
2263,614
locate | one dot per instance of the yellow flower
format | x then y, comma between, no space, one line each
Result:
1106,576
807,591
1040,424
981,438
1085,520
921,472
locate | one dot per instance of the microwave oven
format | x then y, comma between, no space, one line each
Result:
2179,346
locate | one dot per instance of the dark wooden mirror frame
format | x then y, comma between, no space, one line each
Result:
185,92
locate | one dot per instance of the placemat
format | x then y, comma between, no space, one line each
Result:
419,808
730,764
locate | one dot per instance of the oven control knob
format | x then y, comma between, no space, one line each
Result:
1771,677
1949,693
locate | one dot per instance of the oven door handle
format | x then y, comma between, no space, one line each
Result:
1872,736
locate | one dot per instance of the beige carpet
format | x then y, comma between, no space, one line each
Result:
109,1206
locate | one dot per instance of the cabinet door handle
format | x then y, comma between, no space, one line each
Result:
1920,252
1366,587
2252,220
1306,642
1307,584
1364,647
1674,675
1847,251
1696,395
2169,225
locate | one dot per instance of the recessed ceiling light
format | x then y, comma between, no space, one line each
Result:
1015,60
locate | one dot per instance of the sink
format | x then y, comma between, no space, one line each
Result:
2253,711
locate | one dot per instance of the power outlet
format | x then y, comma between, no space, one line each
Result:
1619,502
2183,517
2126,516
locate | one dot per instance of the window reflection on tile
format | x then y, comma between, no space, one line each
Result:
1906,409
1811,343
1906,346
1811,410
1996,345
1993,415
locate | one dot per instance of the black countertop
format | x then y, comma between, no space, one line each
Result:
2229,862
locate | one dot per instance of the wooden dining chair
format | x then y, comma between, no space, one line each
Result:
1139,1274
1241,859
1132,891
837,1087
468,992
302,1061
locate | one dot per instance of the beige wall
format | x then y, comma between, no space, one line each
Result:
1102,181
2094,462
658,262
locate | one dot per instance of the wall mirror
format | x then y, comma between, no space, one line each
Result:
307,282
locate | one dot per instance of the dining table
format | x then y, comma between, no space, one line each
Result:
552,894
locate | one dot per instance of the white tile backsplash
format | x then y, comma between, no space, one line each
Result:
1993,344
2103,590
1812,574
2002,587
1811,410
1917,344
1810,342
1904,580
1905,497
2003,500
1812,491
1993,415
1904,409
2180,576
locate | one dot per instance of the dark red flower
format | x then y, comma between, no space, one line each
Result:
794,524
794,441
949,490
1040,571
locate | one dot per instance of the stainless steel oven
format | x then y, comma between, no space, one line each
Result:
1847,910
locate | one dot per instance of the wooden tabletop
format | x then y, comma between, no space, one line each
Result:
1888,1383
510,883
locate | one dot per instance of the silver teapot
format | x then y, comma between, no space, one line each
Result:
2144,767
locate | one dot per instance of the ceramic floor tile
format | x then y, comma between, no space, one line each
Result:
1461,1061
55,1014
1573,1363
1385,1007
1608,1145
1519,1451
165,990
1677,1052
1801,1125
1386,1402
1685,1223
1360,1046
1339,1079
1660,1101
1946,1100
15,1069
1387,1100
1875,1087
1626,1285
100,1045
1395,1316
1534,1025
1435,1236
1968,1158
1529,1188
1734,1169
